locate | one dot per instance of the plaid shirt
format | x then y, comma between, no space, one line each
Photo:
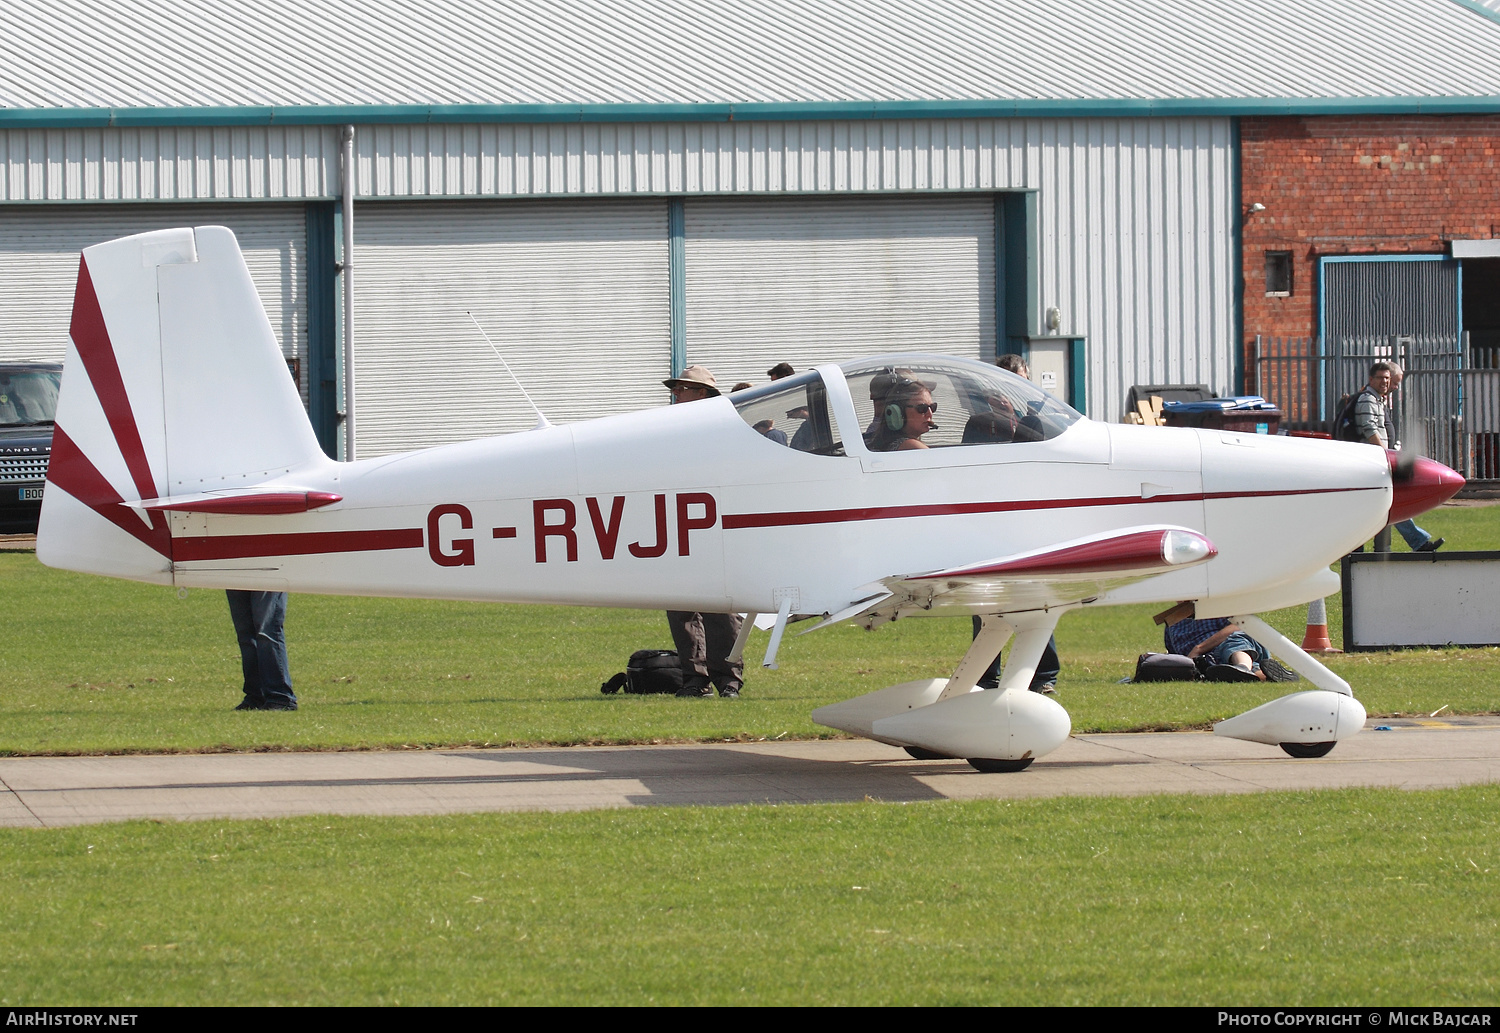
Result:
1184,635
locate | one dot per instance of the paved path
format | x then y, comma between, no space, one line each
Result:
51,791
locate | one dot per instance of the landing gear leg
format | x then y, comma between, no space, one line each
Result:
1033,630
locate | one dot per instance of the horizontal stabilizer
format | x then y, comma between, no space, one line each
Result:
266,501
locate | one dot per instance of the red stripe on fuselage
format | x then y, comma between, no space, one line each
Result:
245,546
840,516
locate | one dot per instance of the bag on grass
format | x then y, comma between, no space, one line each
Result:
1165,667
650,671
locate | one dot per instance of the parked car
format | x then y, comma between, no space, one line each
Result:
28,406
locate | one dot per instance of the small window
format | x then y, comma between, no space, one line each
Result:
793,412
1278,274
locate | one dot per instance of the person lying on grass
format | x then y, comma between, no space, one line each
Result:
1236,656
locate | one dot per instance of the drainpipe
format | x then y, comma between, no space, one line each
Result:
346,188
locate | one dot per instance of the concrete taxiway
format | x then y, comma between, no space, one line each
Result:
56,791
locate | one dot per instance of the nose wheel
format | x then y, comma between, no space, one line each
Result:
1307,750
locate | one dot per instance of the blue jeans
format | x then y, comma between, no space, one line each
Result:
1047,668
258,624
1239,642
1414,535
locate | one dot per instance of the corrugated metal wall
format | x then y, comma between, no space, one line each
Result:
167,163
1137,250
694,158
1135,214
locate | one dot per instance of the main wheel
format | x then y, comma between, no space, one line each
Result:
991,767
1307,750
917,753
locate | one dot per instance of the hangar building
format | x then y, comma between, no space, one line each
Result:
614,192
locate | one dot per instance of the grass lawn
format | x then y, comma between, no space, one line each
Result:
1371,897
96,665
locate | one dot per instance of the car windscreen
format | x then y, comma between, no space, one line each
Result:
28,397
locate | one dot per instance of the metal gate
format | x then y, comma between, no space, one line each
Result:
1447,408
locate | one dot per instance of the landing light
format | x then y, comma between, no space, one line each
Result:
1178,547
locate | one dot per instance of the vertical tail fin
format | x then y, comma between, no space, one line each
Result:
173,385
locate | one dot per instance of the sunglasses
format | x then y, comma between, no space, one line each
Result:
925,408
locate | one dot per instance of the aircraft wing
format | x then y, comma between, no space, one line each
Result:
1056,575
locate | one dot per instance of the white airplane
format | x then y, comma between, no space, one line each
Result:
183,456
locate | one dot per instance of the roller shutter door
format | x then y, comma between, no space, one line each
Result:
574,295
39,246
1365,303
826,279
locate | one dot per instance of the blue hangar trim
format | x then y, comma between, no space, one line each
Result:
407,114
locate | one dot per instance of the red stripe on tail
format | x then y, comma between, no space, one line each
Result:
70,470
91,338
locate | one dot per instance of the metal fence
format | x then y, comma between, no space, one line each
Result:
1448,406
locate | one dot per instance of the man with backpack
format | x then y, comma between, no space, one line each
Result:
1371,422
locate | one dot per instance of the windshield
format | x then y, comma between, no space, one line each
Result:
28,396
931,401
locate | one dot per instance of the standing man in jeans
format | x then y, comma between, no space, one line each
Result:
1044,680
258,625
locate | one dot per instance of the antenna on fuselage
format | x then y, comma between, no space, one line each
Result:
541,419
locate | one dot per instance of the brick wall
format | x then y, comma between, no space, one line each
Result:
1358,186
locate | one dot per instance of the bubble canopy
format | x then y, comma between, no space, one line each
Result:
970,403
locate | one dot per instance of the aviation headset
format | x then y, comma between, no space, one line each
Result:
895,412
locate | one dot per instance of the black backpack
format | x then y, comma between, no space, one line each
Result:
649,671
1165,667
1343,423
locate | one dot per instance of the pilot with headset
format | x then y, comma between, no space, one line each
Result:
904,411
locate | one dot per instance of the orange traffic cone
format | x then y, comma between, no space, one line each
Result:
1316,639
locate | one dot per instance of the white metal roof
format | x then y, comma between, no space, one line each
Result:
58,55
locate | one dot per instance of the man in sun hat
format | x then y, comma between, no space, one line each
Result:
695,382
703,640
